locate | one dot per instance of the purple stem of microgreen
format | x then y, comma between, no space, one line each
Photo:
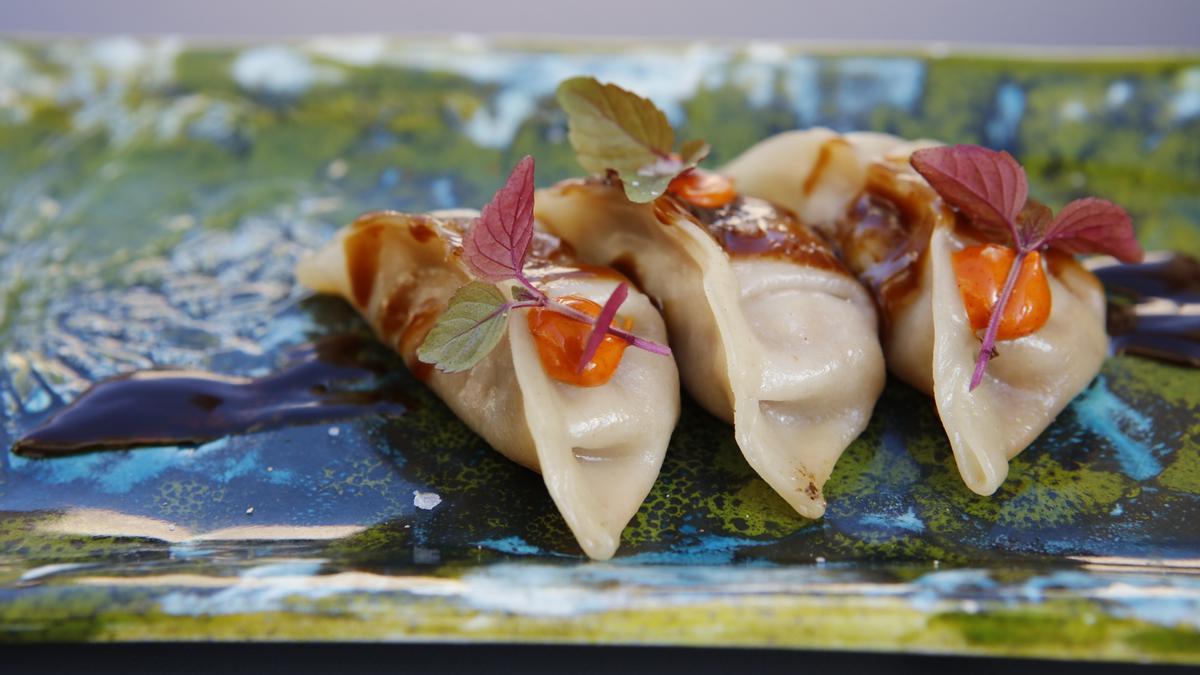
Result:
524,281
988,348
640,343
989,337
508,306
604,321
543,300
522,304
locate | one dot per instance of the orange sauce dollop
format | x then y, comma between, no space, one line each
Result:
981,272
561,340
703,188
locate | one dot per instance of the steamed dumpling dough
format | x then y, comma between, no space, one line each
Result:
599,448
771,333
899,237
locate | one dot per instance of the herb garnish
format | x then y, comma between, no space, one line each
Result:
614,129
991,189
495,249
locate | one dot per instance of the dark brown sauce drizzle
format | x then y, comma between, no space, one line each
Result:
364,243
748,226
824,157
1154,307
404,326
894,274
885,234
164,407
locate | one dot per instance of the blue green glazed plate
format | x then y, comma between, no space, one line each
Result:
154,196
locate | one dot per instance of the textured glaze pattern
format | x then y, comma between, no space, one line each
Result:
155,196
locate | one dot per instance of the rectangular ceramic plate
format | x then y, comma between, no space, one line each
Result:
155,195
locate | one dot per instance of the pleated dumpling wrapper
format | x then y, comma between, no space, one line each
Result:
937,273
770,331
598,447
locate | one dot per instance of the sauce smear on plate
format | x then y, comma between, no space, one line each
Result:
183,407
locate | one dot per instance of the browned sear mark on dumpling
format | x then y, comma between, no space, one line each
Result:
812,491
362,258
403,324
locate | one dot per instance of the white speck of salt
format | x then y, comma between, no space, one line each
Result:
338,168
334,431
250,511
48,208
426,500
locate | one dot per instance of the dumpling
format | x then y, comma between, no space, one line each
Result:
770,331
599,448
899,237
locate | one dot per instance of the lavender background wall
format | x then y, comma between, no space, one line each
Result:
1156,23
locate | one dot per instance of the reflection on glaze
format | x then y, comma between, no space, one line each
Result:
748,226
886,232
